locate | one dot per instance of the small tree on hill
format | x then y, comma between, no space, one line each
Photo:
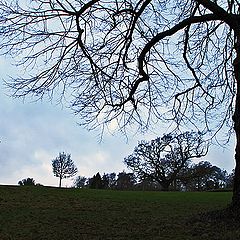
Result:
27,182
63,167
80,182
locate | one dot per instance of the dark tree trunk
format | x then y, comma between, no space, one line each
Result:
175,184
236,120
165,186
60,181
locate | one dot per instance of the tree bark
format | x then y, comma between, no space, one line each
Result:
236,120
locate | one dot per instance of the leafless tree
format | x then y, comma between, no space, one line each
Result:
162,159
63,167
135,61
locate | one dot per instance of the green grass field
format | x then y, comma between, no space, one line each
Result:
28,213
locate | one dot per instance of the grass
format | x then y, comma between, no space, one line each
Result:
29,213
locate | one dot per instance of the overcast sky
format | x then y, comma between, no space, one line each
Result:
32,134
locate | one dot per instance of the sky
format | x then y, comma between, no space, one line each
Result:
33,133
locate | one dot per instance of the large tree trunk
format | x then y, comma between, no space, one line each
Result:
236,119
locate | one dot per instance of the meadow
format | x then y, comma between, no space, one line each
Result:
29,213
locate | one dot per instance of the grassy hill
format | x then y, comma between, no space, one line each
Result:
28,213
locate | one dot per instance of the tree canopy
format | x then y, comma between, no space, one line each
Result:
132,61
163,158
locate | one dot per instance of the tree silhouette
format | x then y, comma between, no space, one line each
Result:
125,181
96,182
203,176
63,167
27,182
163,158
80,182
134,61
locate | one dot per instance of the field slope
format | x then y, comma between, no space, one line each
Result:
29,213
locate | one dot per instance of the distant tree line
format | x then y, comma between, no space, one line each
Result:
165,163
120,181
202,176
